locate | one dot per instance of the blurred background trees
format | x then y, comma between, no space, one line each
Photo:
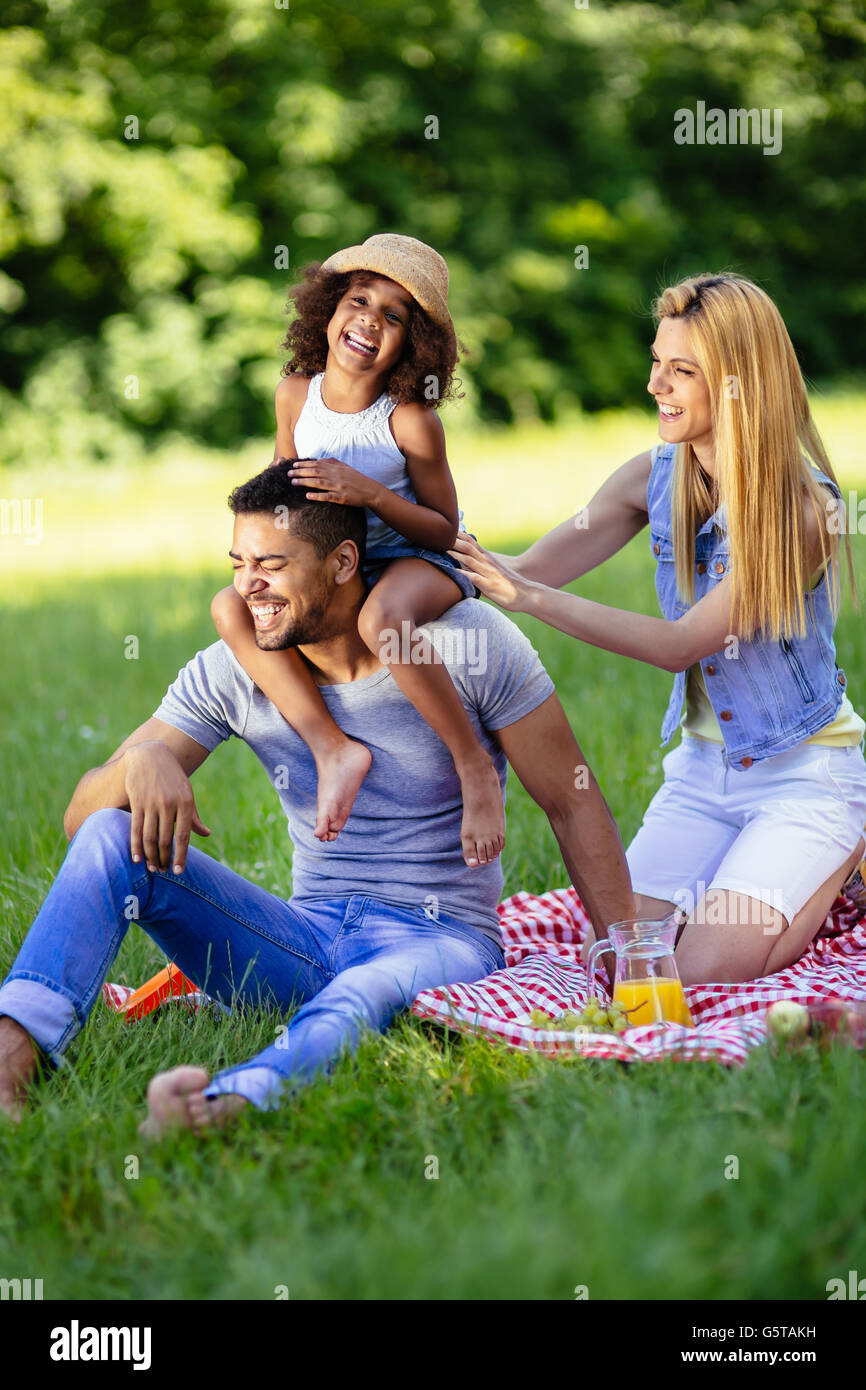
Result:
160,163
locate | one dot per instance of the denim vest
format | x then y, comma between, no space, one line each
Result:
773,694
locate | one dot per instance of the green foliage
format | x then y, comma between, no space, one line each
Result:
150,252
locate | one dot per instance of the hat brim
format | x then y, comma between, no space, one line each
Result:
393,267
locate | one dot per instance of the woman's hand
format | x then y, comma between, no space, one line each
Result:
495,580
508,562
334,481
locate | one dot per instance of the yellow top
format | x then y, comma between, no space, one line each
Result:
699,720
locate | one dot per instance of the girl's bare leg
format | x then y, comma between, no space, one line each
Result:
341,762
413,592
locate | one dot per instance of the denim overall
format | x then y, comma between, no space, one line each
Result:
773,694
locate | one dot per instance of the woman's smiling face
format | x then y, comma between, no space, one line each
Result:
679,388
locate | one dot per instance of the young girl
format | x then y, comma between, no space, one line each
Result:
760,818
373,353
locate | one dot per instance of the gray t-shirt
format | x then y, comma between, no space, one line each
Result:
401,843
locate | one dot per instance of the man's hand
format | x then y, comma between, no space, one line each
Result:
336,481
162,804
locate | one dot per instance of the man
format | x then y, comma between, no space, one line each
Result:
386,910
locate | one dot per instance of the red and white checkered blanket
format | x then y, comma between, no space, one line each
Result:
543,970
542,938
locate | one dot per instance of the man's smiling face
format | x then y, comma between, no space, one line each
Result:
283,580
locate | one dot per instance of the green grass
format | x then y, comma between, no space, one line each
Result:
552,1173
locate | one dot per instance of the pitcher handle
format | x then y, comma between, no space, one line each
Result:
598,949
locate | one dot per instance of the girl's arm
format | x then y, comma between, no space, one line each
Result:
617,512
289,400
674,646
432,520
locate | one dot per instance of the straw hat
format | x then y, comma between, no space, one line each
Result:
411,263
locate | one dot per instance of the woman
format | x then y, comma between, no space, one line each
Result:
760,818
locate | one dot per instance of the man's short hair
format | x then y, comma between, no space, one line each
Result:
324,524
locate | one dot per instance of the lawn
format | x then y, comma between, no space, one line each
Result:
552,1174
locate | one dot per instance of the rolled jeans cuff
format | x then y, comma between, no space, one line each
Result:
262,1086
48,1015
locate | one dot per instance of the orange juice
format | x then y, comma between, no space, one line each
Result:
655,998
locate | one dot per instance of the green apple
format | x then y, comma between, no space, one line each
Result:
788,1019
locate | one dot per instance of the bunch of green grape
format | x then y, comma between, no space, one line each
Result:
594,1017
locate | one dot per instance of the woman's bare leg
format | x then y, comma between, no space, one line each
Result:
733,937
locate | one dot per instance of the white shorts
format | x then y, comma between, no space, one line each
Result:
775,832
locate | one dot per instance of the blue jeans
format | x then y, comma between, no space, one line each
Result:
352,962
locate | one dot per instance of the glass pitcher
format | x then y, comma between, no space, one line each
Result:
647,982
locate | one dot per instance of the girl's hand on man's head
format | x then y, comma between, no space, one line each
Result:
333,481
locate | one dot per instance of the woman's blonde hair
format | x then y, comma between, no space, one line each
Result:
766,445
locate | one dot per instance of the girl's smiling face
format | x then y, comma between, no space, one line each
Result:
680,389
368,328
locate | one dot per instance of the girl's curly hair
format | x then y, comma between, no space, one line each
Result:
430,350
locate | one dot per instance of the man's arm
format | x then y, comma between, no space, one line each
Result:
547,758
148,775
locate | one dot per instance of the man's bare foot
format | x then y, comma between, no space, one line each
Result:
482,832
341,771
176,1100
18,1066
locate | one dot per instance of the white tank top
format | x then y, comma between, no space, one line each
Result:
363,440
